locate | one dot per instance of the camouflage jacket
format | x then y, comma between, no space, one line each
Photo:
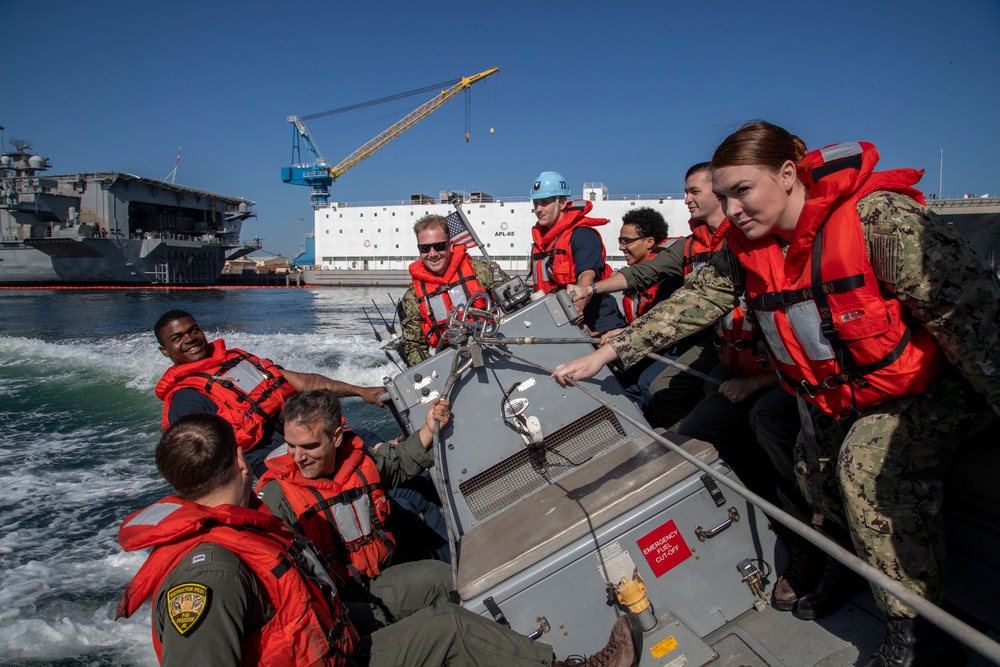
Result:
917,257
666,264
415,346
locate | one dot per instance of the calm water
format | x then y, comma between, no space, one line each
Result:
78,425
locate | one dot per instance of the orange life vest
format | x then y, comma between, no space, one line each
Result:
832,335
701,244
636,305
552,265
736,342
344,515
735,336
249,412
310,625
436,295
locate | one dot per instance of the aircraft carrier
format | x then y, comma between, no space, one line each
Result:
111,228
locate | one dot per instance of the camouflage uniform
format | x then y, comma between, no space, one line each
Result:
888,460
415,346
673,392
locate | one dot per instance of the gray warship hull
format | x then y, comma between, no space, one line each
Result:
111,228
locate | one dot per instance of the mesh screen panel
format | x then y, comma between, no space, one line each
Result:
515,477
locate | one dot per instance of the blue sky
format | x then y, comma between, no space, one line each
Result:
629,94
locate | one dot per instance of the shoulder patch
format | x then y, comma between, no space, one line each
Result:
186,604
200,558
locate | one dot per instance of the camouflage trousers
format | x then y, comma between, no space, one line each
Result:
882,478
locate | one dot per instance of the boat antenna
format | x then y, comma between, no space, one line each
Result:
391,326
378,338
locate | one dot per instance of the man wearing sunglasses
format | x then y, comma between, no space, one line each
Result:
567,252
445,276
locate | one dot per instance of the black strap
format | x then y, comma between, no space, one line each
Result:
346,497
775,300
697,257
811,448
495,612
857,374
239,394
441,289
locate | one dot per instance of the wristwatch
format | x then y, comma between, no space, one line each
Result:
593,288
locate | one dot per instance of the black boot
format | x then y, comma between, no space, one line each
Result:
803,573
837,586
916,642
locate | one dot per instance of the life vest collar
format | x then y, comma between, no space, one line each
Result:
350,453
419,270
831,175
216,356
572,217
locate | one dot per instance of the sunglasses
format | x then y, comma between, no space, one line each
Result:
624,240
425,248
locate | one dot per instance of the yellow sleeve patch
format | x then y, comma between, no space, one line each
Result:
185,605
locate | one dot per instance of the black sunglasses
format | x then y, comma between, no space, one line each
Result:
425,248
624,240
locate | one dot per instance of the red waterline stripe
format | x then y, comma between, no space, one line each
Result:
135,287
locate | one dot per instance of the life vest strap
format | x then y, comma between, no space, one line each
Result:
857,373
697,257
228,365
535,256
441,289
785,298
346,497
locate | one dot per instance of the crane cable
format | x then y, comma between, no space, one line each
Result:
390,98
468,113
947,622
490,92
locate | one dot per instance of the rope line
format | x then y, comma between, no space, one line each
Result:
947,622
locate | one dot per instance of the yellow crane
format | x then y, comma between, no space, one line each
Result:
319,176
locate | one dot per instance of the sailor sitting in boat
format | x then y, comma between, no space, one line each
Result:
673,392
331,487
233,585
567,251
245,390
445,276
881,319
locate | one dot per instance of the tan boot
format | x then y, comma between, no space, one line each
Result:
623,650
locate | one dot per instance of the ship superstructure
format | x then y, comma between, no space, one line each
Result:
378,236
373,243
107,228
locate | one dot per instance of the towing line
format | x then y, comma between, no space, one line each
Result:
947,622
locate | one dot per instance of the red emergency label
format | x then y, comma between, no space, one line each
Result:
664,548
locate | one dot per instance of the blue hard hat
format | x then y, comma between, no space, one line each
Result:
549,184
